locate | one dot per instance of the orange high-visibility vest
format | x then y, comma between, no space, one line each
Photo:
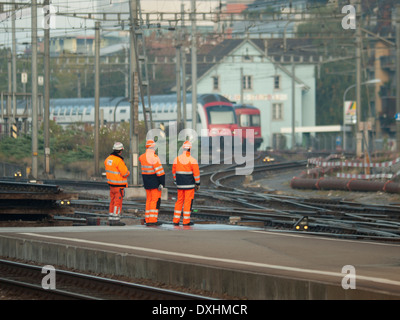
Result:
152,170
116,171
185,171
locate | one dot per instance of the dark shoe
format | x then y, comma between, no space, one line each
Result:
158,223
188,224
176,224
149,224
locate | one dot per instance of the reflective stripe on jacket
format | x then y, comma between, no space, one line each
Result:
185,171
152,170
116,171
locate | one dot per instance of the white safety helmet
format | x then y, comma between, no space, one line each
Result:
118,146
187,145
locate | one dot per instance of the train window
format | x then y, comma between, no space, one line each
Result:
174,108
244,120
167,107
68,111
122,111
255,120
81,108
74,111
160,107
249,120
62,111
88,110
221,115
56,110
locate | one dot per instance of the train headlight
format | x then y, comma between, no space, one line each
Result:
65,202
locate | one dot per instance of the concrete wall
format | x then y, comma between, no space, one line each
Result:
242,284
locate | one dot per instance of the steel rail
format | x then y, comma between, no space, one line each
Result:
83,286
321,214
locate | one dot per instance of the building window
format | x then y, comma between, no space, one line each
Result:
215,81
247,82
277,82
277,111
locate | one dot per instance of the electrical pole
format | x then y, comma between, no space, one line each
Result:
178,85
9,110
183,68
241,85
194,67
293,105
134,99
358,82
34,172
178,79
46,123
398,76
14,65
96,98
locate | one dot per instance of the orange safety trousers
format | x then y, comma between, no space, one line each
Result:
153,201
116,196
185,200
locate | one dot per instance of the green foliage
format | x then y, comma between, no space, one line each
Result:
72,148
330,89
15,149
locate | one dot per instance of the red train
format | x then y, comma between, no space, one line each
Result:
248,117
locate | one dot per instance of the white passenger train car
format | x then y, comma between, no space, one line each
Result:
112,110
215,112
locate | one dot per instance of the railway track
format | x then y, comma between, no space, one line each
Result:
31,281
329,217
322,216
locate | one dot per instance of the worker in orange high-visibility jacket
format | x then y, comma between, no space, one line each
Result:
186,174
153,176
117,178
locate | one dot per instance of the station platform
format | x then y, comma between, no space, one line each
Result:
239,261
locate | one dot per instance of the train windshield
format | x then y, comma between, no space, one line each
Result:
221,115
249,120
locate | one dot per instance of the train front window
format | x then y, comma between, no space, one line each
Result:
249,120
221,115
244,120
255,120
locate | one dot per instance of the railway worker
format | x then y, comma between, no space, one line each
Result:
117,178
186,174
153,176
